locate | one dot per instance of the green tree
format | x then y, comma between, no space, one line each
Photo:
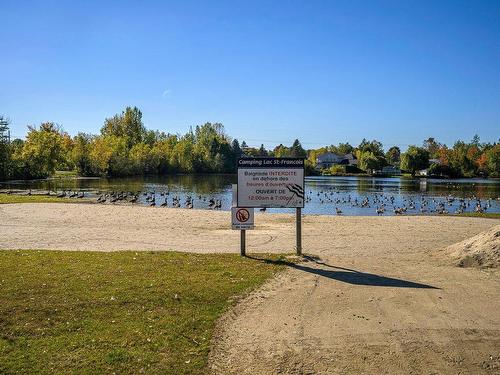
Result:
393,155
432,146
109,156
43,150
341,149
235,148
461,161
162,153
4,149
212,150
369,162
296,151
281,151
182,156
493,160
375,147
80,154
126,125
414,159
262,151
140,159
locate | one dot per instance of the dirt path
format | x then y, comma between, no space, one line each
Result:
379,303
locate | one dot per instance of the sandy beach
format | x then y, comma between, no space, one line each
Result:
382,298
113,227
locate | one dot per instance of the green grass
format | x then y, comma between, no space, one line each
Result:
488,215
65,174
118,312
15,198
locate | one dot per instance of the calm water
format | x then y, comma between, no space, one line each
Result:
351,195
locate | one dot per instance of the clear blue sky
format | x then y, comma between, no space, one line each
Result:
271,71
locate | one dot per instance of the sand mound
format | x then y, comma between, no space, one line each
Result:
482,250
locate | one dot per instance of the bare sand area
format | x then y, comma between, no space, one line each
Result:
482,250
68,226
384,298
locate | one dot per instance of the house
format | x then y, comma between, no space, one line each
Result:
350,159
390,170
328,159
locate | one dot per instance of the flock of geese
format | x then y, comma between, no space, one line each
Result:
382,203
335,200
151,199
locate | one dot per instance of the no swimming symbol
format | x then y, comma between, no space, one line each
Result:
242,215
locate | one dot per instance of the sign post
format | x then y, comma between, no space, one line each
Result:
298,230
273,183
243,243
242,218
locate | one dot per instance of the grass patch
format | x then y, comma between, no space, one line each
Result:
487,215
15,198
118,312
65,174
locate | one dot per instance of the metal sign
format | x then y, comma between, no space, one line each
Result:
271,182
242,218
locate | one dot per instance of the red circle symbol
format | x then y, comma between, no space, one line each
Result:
242,215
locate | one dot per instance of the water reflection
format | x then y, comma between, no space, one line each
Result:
324,193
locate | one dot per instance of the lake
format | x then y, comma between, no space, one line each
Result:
351,195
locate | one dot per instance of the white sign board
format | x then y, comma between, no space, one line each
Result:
271,182
242,218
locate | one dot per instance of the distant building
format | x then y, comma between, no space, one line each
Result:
351,159
390,170
423,172
434,161
329,159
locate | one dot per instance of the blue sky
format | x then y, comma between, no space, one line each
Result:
271,71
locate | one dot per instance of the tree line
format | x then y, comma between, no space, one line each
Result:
125,147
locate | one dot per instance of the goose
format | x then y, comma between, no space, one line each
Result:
153,202
211,203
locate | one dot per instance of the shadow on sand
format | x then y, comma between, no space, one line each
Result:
348,275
